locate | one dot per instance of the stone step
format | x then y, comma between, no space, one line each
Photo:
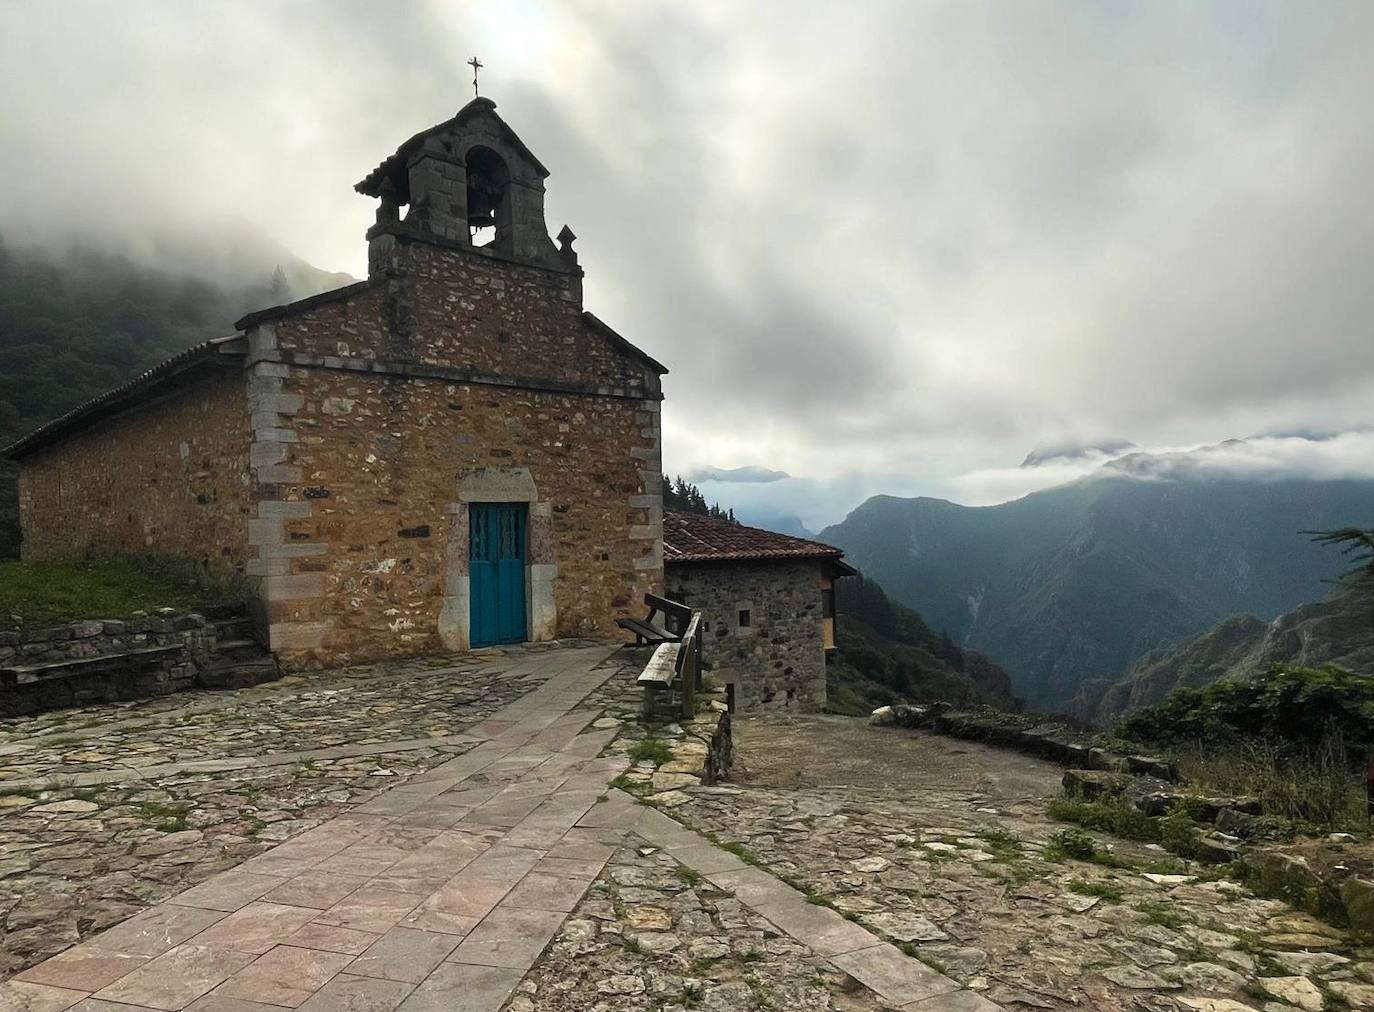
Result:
238,627
238,674
243,648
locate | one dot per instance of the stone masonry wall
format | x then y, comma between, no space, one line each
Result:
465,309
170,478
371,414
382,458
778,660
89,638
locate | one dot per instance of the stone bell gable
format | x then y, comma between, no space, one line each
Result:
454,427
470,168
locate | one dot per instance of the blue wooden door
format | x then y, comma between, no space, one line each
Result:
496,573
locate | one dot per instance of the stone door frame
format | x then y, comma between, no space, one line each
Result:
499,485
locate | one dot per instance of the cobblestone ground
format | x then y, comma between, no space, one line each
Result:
185,786
652,935
941,846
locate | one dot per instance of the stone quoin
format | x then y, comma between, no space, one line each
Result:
448,454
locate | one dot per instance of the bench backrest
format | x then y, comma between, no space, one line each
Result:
689,665
675,615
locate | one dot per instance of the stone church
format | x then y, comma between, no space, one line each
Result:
450,454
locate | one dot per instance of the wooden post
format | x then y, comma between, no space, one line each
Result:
688,676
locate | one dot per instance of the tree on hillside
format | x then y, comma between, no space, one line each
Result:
280,287
1358,544
685,497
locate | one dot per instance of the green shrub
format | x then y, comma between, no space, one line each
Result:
1074,843
1291,707
1178,830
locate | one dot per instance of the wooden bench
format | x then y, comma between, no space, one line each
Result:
675,664
675,619
30,674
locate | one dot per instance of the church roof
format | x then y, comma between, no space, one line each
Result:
633,350
395,165
692,537
173,372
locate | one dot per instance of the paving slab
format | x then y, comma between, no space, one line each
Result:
818,927
256,928
18,996
84,968
510,937
284,975
456,987
893,975
347,993
404,954
154,931
228,891
371,908
177,977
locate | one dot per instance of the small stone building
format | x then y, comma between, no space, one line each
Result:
449,454
767,602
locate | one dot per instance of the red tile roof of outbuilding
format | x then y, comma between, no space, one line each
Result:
691,537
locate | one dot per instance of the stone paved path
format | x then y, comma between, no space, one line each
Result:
107,809
443,892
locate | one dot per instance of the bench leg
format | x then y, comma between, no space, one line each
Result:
652,697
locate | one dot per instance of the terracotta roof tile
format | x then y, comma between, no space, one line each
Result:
691,537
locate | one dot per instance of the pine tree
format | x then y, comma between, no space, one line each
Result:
281,288
1358,544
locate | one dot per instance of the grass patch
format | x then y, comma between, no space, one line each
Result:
166,818
1002,844
651,749
1076,845
636,788
1108,892
1161,913
109,588
1116,817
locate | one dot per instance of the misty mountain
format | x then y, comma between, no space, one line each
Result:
1077,582
1338,630
783,523
77,322
1061,452
888,653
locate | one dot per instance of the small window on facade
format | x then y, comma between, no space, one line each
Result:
706,627
744,619
828,603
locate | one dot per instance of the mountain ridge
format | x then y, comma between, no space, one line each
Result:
1338,630
1075,583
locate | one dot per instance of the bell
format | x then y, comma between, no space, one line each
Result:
481,201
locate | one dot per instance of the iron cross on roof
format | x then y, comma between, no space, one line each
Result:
476,65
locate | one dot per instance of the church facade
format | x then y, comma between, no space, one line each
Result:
450,454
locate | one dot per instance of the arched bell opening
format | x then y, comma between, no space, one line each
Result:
488,197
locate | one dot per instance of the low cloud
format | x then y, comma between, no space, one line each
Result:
750,474
1261,458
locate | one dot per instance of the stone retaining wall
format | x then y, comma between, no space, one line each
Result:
90,638
1055,742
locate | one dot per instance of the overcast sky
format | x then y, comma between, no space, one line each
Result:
881,246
